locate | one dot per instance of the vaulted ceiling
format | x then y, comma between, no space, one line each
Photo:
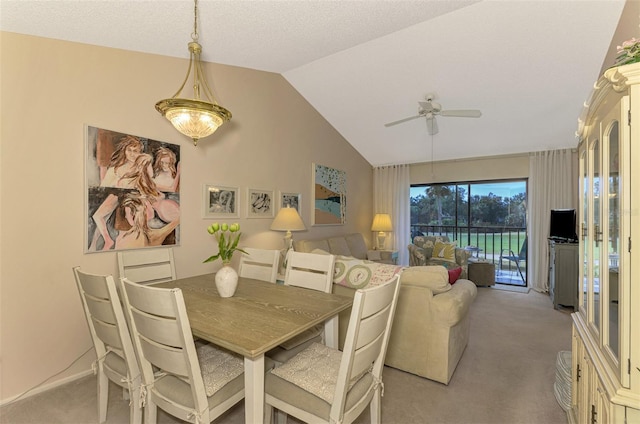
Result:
527,65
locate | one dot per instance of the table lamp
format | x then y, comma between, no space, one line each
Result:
288,220
381,223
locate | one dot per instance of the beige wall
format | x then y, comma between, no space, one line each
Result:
50,90
479,169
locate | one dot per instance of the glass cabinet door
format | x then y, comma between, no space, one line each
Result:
584,230
611,247
596,236
614,223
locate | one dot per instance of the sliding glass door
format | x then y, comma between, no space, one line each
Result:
488,218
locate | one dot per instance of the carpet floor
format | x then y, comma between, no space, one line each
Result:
505,376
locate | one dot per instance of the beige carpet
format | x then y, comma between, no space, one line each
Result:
506,376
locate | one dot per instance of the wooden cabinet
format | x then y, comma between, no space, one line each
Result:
563,273
606,326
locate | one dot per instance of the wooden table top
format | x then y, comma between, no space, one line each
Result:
258,317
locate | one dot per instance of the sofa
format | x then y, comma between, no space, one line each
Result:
438,250
352,245
431,325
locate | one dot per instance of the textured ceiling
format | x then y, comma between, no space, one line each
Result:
527,65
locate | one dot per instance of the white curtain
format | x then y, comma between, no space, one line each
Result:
553,179
391,195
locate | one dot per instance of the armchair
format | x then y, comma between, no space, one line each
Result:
421,254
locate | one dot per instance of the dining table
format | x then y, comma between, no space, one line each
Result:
257,318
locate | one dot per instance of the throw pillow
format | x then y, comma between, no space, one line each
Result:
454,274
444,251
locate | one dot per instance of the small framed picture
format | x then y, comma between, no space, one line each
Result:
260,203
290,199
220,202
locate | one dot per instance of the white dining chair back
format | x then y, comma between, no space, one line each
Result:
292,388
260,264
171,372
147,266
314,272
116,359
310,271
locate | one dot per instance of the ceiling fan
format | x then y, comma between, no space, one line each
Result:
429,109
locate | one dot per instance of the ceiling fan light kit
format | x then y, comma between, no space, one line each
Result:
429,109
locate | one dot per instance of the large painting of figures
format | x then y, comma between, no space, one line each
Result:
329,195
132,191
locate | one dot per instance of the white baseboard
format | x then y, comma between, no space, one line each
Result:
45,387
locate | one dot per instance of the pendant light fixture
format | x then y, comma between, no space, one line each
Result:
194,117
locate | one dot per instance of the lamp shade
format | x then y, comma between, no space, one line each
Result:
288,219
381,222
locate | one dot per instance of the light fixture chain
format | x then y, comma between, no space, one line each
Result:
194,35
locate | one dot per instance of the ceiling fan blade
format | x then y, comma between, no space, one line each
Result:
401,121
432,125
462,113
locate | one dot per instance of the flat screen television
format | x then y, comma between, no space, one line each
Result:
563,225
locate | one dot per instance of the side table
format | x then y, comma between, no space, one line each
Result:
392,254
482,273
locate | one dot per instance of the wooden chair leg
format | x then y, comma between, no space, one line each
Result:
103,395
150,412
375,408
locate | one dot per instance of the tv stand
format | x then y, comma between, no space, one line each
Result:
563,273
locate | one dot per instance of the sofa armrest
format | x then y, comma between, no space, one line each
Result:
452,306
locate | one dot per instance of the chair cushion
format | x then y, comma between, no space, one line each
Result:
290,393
178,391
116,363
218,367
315,370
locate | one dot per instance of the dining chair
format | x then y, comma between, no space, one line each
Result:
260,264
322,384
116,359
147,266
193,384
310,271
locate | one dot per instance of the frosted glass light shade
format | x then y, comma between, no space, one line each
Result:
194,118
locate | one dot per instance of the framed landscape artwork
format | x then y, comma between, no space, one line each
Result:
329,195
132,191
220,201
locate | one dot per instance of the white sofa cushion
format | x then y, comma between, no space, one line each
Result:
435,278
